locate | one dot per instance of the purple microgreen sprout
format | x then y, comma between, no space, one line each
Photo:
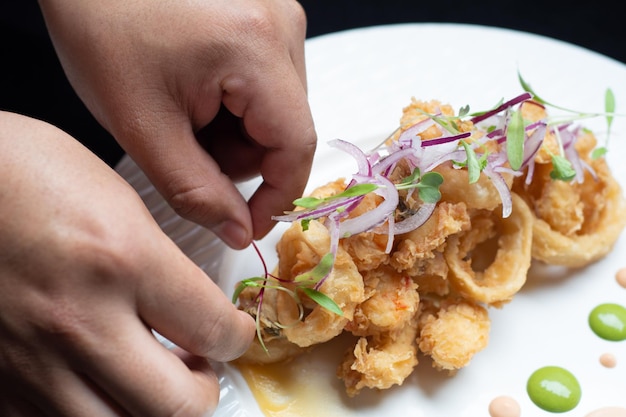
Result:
609,114
314,277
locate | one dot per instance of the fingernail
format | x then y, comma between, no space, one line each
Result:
233,234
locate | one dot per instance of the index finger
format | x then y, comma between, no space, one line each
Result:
276,115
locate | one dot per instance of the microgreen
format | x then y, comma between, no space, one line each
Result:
515,135
354,191
319,272
323,300
609,112
307,282
609,109
427,185
561,169
473,164
464,111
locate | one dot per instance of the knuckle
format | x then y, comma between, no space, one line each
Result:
190,203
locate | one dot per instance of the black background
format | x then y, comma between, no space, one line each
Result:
32,81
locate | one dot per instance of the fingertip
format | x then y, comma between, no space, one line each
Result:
248,326
233,234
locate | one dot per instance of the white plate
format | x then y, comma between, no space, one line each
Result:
359,81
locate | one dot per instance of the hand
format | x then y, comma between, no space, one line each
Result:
155,74
85,273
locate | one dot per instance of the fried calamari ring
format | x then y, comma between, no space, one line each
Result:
300,251
457,188
504,277
603,217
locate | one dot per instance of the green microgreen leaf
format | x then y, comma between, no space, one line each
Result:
609,108
481,112
410,181
308,202
526,87
609,105
446,123
599,152
354,191
515,140
428,187
464,111
561,169
304,223
243,284
473,165
323,300
320,270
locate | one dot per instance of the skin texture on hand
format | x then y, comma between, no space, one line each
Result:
157,73
85,273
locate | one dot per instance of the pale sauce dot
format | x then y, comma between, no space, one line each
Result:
608,360
608,412
620,277
504,406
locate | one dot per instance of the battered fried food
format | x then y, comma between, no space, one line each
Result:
299,251
453,333
381,360
576,223
428,288
505,274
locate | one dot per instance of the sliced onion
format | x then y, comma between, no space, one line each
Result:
378,215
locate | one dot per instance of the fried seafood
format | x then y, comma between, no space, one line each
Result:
576,223
481,194
459,238
386,352
453,333
506,273
391,301
276,347
381,360
299,251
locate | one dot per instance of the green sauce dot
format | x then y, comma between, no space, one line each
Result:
554,389
608,321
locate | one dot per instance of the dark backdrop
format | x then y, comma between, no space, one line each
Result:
32,81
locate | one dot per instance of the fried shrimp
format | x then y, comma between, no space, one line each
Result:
454,333
381,360
386,352
391,301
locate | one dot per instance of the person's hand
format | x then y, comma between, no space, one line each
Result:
155,74
85,273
